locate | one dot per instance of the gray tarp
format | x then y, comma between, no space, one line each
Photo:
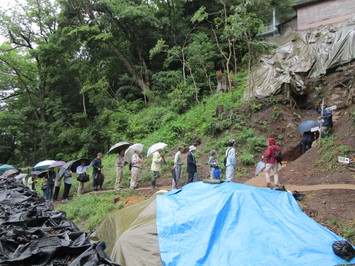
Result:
311,51
131,234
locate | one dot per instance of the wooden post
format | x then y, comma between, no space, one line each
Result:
321,122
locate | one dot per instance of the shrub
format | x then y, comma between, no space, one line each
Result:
247,158
256,144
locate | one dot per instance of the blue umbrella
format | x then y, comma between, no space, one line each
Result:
5,167
35,172
307,125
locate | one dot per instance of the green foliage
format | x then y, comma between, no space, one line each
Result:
256,143
82,85
247,158
92,208
254,107
318,89
276,113
348,232
330,151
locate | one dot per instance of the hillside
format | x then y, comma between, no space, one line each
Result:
314,173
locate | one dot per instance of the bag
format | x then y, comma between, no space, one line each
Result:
344,250
83,178
130,166
277,155
100,179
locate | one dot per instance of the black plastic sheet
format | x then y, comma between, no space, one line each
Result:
33,233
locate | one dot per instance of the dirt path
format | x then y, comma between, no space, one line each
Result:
259,181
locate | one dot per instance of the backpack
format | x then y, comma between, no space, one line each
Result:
277,155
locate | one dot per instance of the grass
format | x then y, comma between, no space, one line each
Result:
92,208
330,150
347,230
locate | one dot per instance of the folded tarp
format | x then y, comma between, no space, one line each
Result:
311,51
236,224
131,235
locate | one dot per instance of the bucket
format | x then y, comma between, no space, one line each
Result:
217,173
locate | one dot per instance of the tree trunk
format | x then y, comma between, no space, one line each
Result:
138,78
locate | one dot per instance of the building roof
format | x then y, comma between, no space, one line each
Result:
301,3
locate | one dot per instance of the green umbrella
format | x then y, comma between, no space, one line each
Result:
5,167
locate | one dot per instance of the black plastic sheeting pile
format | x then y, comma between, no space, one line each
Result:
33,233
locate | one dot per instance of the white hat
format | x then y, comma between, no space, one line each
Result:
192,148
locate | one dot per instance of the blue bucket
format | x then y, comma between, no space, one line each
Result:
217,173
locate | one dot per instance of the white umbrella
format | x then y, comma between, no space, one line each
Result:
130,151
43,164
21,176
155,147
259,167
118,146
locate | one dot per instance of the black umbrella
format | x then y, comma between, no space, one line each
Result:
119,147
72,165
307,125
42,174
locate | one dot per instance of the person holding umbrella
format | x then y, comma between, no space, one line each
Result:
81,170
271,163
31,182
136,164
96,172
307,140
67,184
157,161
119,148
51,176
119,169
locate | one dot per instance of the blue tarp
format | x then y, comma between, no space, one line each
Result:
236,224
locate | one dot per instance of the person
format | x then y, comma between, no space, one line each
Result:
136,164
67,184
51,176
177,167
31,182
119,169
191,165
81,169
230,161
96,172
327,117
157,162
57,183
271,163
212,162
307,140
44,186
